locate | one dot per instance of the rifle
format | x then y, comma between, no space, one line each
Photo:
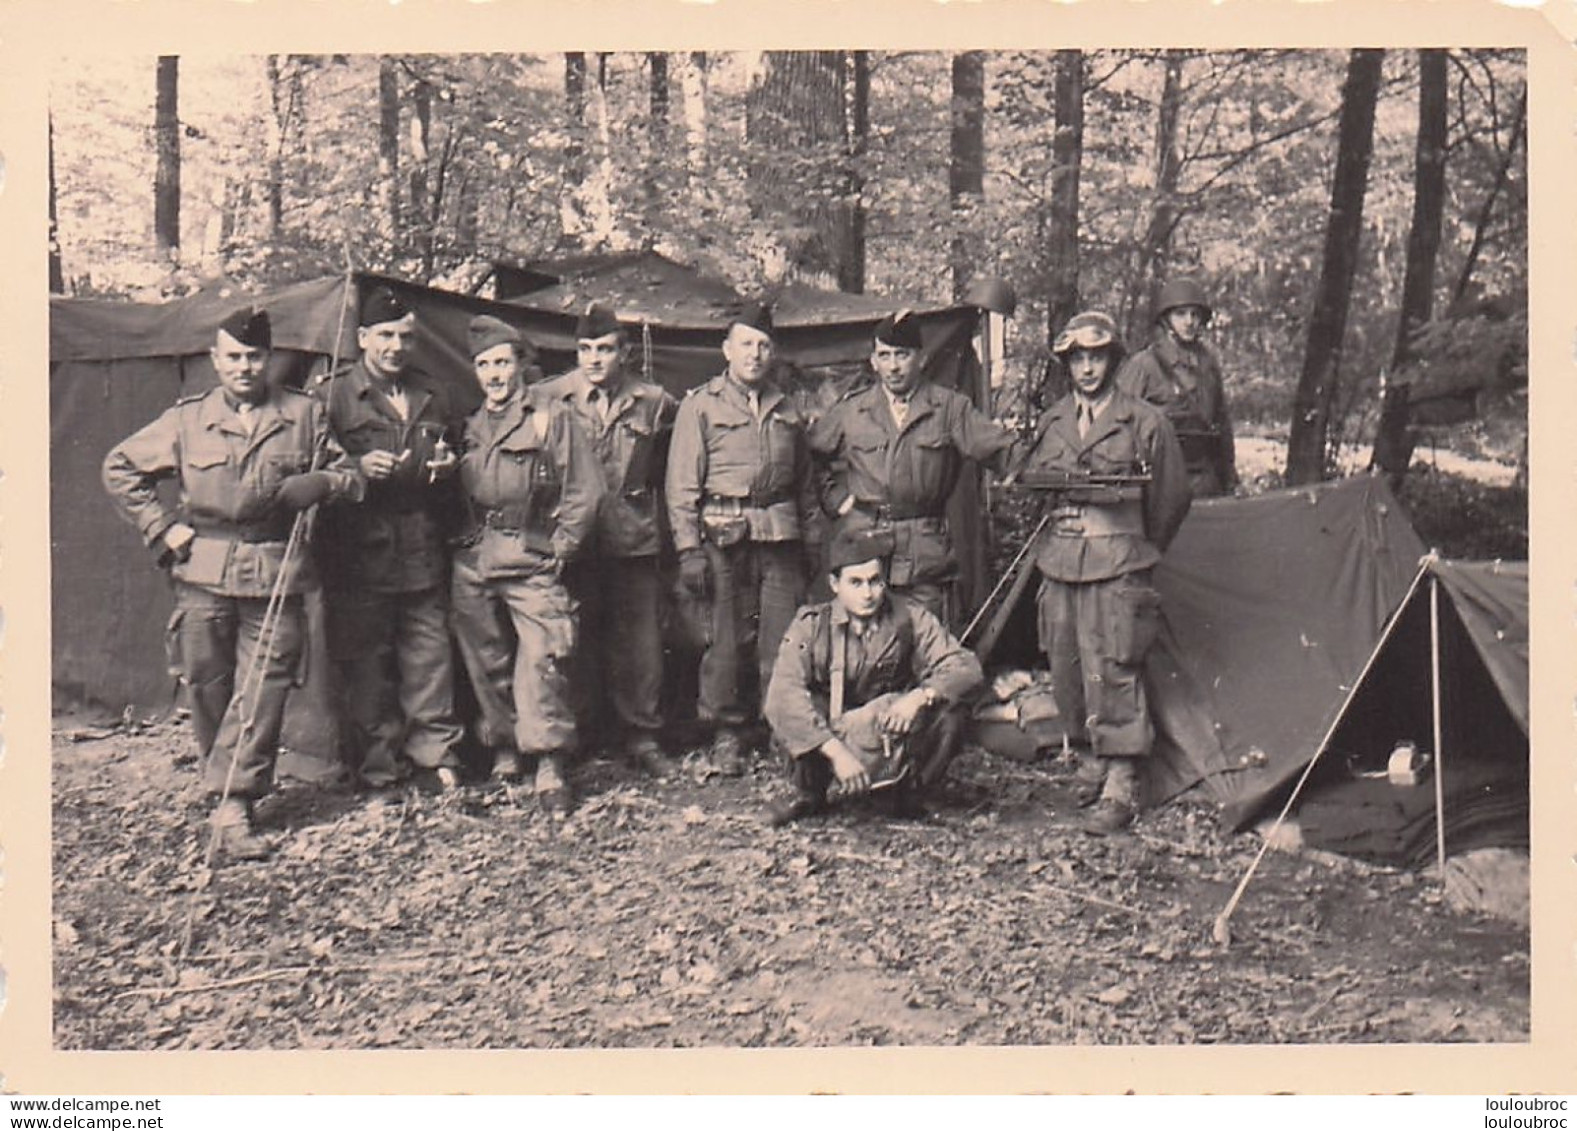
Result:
1087,487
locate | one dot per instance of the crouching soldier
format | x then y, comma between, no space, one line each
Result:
533,484
247,456
868,689
1097,611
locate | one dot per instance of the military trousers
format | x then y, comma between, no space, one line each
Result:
756,588
619,663
929,747
1095,635
517,638
238,670
394,681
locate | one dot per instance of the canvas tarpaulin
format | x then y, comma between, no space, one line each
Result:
1271,606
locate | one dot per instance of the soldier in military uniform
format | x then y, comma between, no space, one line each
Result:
248,457
1097,611
1179,375
629,422
385,561
868,688
532,486
738,476
895,449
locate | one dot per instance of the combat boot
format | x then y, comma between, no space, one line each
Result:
728,755
552,790
646,755
506,765
805,803
1119,801
234,838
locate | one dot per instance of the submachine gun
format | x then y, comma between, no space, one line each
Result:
1087,488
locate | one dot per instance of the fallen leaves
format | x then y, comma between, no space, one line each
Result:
668,915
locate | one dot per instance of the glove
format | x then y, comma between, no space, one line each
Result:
695,576
298,492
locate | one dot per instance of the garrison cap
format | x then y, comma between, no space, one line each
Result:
487,331
1091,330
901,331
382,305
855,547
598,321
251,327
756,315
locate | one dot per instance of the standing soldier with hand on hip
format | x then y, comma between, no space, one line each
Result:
1179,375
629,423
248,457
532,486
1097,612
738,475
385,561
896,449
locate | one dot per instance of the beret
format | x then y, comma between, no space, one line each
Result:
382,305
251,327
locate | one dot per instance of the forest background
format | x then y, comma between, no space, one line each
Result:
1359,217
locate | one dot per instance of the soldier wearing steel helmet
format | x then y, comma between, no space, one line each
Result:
1097,611
1179,375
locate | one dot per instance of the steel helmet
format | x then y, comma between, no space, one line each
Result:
1091,330
993,294
1182,292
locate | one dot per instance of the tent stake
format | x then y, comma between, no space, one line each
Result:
1440,763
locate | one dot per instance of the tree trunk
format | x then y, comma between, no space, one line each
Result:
167,176
388,149
966,170
1393,446
1486,211
278,102
1316,391
423,209
694,81
857,84
795,115
57,275
572,220
1155,251
1062,242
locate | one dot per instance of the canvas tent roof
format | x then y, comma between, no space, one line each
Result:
1271,606
116,365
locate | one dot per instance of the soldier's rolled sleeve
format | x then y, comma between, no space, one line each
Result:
582,488
132,470
686,475
944,665
1168,495
791,710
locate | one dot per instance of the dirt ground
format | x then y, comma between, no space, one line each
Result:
668,915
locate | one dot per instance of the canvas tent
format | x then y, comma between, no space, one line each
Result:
115,365
1465,624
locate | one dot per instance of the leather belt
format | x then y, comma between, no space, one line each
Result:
887,512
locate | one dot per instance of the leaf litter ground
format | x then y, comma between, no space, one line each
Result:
668,915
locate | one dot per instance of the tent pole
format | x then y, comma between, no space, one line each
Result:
1440,764
1222,930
